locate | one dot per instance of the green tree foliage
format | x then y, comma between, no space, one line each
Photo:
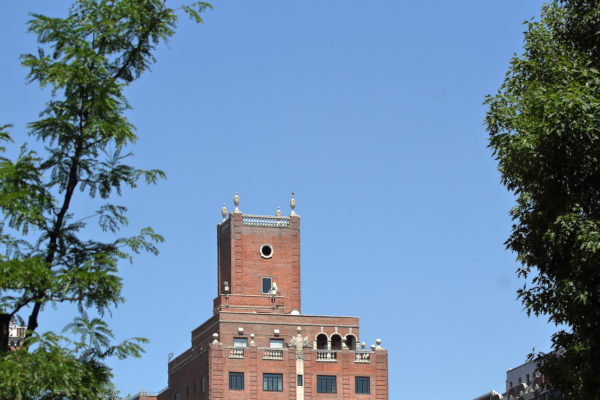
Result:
86,60
544,127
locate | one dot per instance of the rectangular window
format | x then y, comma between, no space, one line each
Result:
362,384
326,384
273,382
276,343
266,285
236,381
203,384
300,381
177,396
240,342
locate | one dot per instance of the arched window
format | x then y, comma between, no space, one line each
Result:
321,341
336,342
351,342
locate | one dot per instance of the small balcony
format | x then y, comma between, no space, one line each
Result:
272,354
236,352
327,355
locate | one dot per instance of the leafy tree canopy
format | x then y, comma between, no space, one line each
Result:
544,127
86,59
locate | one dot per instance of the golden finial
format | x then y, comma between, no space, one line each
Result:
224,212
236,203
293,205
278,212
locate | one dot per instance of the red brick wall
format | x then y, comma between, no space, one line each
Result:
223,255
253,367
262,326
185,377
241,264
209,359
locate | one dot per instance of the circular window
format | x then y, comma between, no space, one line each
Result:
266,251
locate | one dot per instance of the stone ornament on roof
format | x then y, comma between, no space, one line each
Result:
293,205
224,212
236,203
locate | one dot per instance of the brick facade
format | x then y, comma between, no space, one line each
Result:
258,345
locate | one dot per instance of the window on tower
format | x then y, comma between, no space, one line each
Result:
266,285
321,341
336,342
351,342
266,251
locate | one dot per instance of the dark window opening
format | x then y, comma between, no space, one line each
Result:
362,384
336,342
321,341
351,342
300,381
266,285
236,381
326,384
203,384
273,382
266,251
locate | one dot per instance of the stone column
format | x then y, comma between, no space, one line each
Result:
299,364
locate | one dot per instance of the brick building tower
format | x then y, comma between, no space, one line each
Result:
258,345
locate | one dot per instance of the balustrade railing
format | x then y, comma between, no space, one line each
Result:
326,356
273,222
236,352
362,357
271,354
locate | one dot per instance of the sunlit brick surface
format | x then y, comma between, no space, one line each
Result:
313,345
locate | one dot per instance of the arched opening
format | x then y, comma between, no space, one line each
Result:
321,341
351,342
336,342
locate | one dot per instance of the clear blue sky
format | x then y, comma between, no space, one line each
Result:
372,113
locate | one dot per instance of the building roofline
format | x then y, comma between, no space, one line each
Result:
521,365
289,315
